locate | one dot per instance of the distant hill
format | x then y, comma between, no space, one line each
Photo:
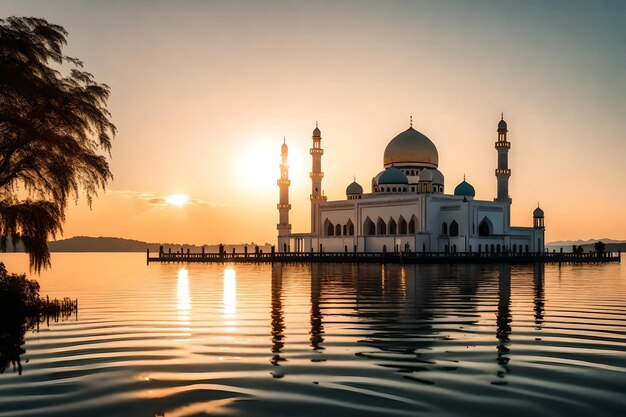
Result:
116,244
612,245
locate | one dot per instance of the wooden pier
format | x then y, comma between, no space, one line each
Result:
384,257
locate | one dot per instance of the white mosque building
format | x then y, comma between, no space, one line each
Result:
407,208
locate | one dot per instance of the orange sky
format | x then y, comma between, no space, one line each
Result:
203,93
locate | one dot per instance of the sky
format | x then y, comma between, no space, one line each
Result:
203,93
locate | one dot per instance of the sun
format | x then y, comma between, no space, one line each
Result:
260,166
177,199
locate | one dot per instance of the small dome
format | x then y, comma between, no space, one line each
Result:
538,212
411,146
465,189
317,132
354,188
437,176
502,125
393,175
426,175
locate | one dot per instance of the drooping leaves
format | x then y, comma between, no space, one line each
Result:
54,125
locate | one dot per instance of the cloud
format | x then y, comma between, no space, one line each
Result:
159,200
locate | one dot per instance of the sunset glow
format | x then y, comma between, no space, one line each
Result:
215,133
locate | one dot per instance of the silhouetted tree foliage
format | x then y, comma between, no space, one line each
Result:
599,247
53,127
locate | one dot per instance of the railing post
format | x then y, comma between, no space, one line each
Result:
148,256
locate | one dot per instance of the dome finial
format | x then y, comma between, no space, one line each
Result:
284,140
316,123
464,176
501,115
411,120
355,178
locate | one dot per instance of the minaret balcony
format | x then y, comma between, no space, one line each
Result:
503,144
283,206
316,174
284,181
316,151
506,172
318,197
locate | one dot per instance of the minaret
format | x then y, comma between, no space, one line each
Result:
284,228
316,176
503,172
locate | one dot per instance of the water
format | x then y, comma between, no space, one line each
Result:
344,340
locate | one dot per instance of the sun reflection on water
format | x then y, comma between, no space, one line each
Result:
183,304
230,297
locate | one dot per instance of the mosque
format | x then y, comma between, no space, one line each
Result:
407,208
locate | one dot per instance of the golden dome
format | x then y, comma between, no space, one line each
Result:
411,147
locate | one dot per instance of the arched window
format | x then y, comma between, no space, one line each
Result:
381,227
350,228
492,248
412,189
329,228
412,225
485,228
498,248
514,248
345,230
444,228
402,228
454,228
393,227
393,189
480,248
470,248
388,189
526,248
369,228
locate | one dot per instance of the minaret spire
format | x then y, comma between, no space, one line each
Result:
502,171
411,120
316,176
283,226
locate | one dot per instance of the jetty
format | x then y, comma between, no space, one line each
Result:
381,257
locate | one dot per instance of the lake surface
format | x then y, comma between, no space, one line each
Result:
331,340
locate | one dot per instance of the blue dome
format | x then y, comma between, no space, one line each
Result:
502,125
392,175
538,212
354,188
465,188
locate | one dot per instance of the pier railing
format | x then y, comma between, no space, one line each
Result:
386,257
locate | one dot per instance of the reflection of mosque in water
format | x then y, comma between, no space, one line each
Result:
411,318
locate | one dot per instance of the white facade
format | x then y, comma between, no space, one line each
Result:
408,210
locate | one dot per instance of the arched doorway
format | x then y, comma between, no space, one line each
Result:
485,228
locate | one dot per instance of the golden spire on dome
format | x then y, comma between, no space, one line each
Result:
411,120
501,115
